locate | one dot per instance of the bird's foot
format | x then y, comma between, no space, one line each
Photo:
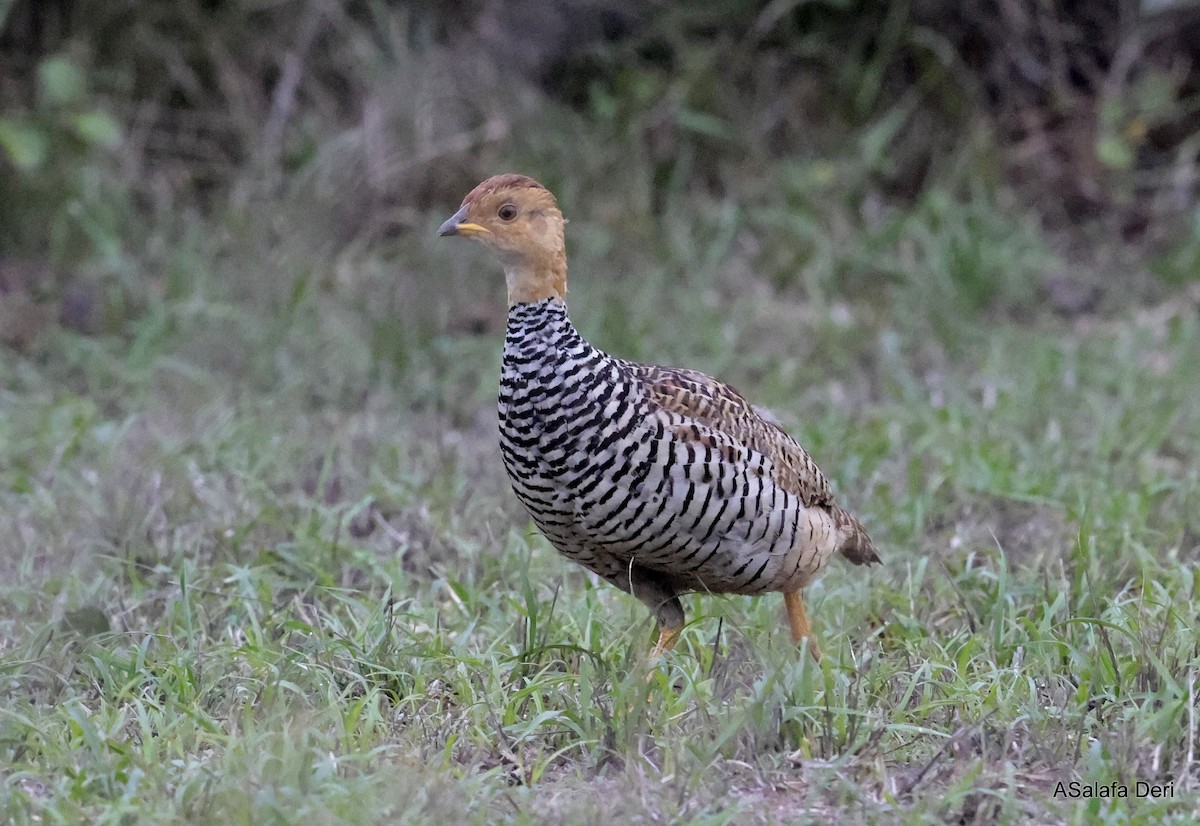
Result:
667,637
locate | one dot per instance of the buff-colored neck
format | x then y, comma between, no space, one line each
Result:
536,278
529,284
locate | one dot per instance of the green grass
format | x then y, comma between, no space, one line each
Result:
264,566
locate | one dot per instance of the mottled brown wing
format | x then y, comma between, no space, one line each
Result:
719,406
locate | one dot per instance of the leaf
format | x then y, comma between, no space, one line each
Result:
60,81
704,124
24,145
1114,152
875,141
97,128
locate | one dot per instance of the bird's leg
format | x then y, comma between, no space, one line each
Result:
670,626
798,619
667,637
656,592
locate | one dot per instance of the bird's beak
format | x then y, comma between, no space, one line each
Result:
455,225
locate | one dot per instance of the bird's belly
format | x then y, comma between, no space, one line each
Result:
705,535
708,523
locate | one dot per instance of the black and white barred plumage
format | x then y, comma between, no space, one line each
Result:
633,490
661,480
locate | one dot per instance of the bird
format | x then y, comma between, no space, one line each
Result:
663,481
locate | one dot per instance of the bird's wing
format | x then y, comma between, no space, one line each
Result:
718,406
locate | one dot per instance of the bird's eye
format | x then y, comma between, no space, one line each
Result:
507,212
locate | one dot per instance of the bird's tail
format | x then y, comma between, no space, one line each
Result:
855,544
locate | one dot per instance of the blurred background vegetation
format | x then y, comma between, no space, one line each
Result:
254,152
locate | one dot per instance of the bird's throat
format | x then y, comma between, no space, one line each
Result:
530,282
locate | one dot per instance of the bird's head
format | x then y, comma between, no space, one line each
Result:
518,219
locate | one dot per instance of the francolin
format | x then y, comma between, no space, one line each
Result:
661,480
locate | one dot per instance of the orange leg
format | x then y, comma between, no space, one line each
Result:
798,619
667,637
